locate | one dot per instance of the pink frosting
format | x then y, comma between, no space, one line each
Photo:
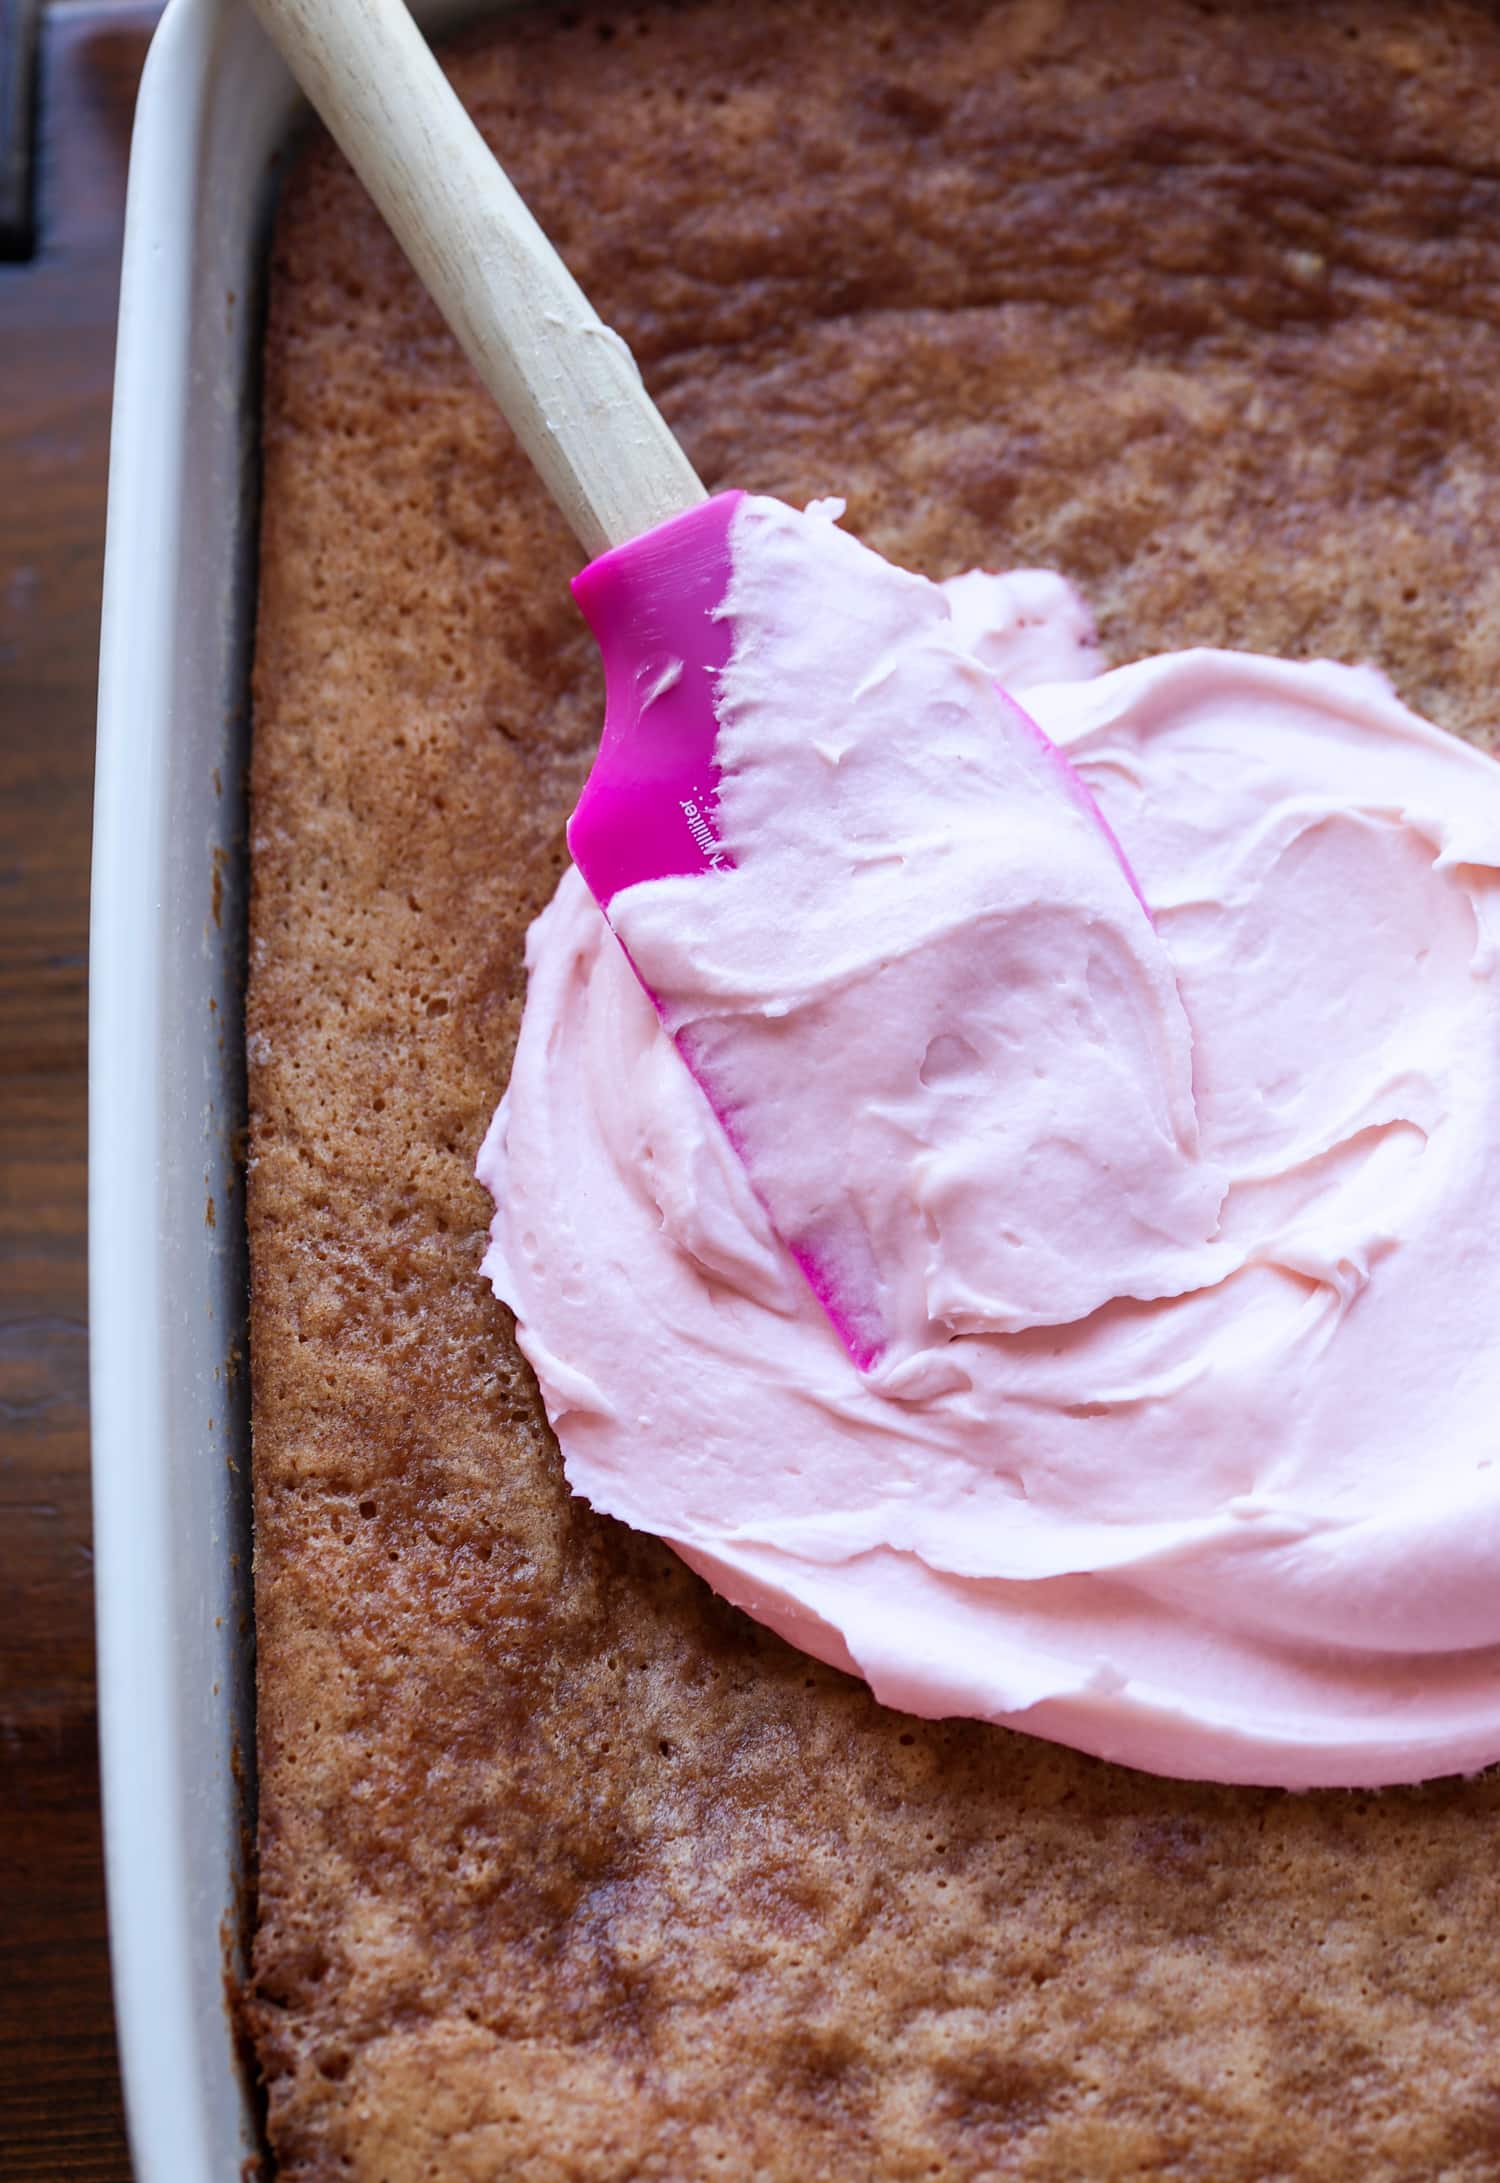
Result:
1186,1450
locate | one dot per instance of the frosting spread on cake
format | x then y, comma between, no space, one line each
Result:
1185,1451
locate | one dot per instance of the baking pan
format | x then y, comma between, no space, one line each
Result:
167,1259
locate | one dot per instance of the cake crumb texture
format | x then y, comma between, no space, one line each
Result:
567,1870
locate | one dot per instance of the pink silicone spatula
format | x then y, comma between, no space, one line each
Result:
570,389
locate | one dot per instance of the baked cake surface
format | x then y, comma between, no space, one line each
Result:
567,1870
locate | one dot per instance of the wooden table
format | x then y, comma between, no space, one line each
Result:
60,2115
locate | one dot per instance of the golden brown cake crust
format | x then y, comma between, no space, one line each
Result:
567,1871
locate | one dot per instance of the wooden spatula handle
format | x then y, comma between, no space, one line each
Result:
566,382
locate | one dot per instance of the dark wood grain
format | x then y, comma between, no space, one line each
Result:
18,19
60,2117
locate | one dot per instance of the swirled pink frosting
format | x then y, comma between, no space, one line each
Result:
1188,1450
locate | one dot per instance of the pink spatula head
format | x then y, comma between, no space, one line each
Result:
650,812
656,608
647,810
